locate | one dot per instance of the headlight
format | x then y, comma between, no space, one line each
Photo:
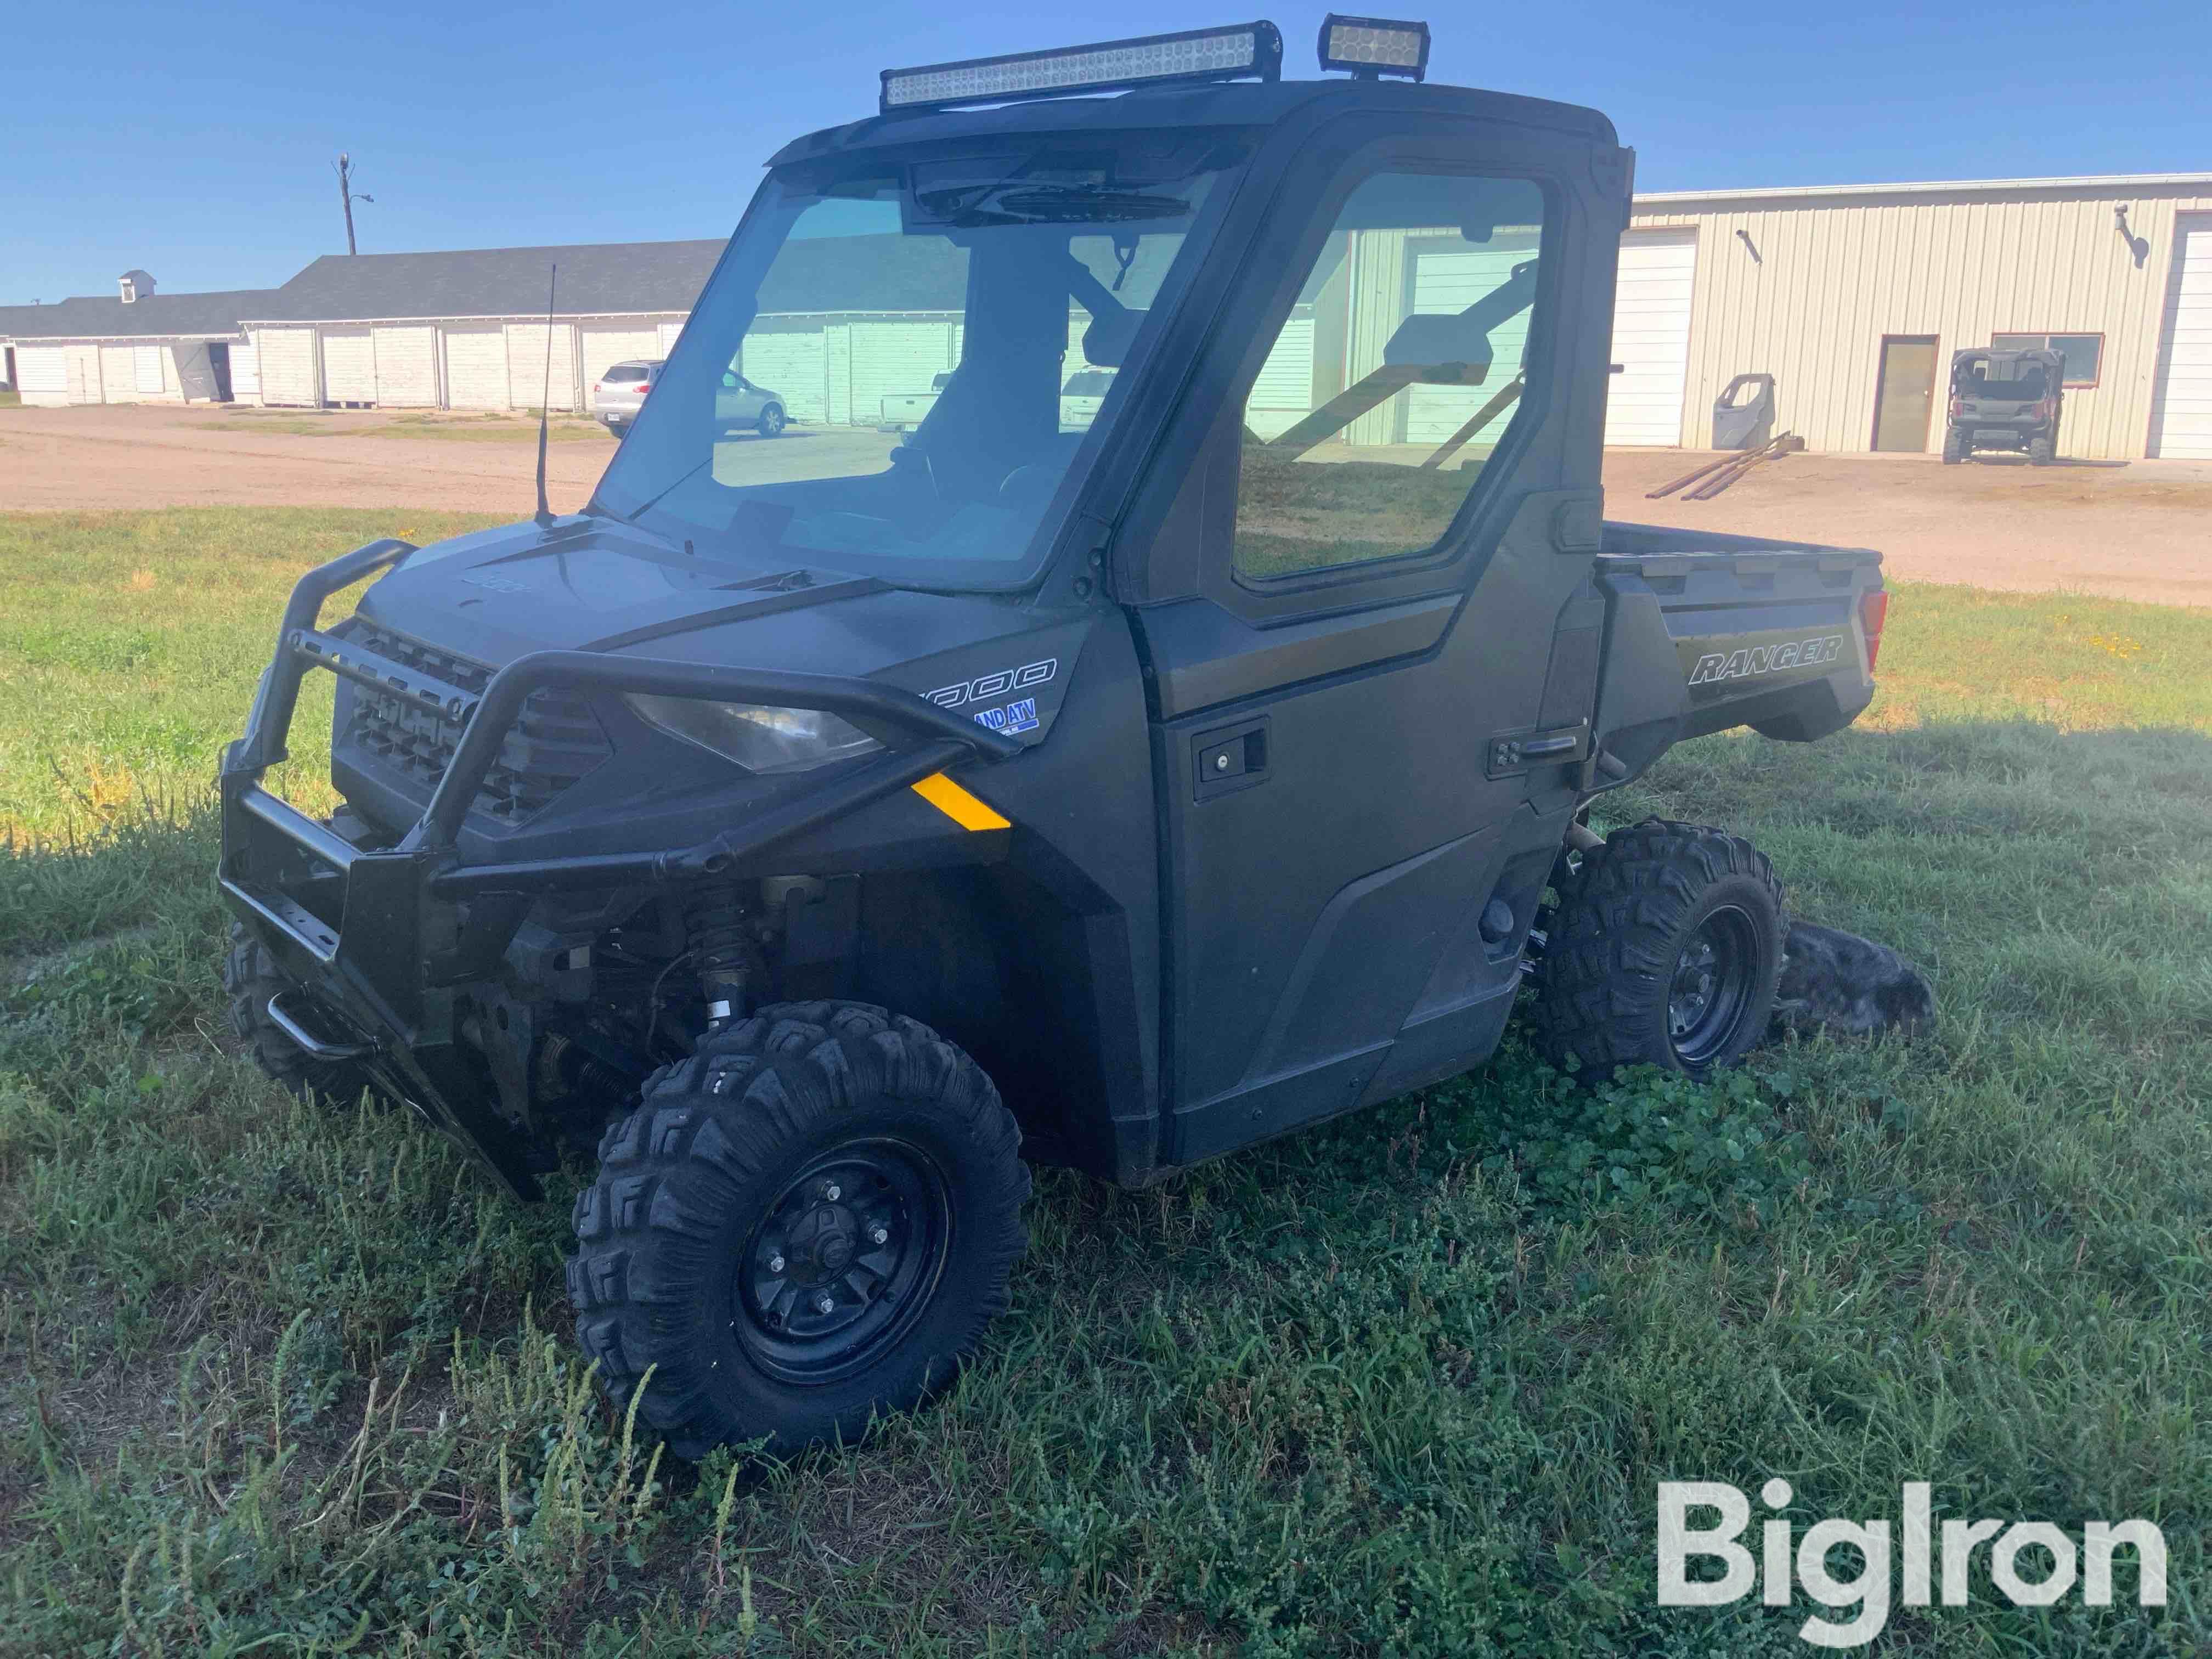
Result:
759,739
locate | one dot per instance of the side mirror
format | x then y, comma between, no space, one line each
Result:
729,380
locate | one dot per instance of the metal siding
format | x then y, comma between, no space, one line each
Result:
146,376
476,366
790,363
668,333
288,367
1835,273
527,383
892,359
2181,416
407,366
349,366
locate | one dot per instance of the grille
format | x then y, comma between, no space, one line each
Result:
548,750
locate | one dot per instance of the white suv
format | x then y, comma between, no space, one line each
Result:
619,392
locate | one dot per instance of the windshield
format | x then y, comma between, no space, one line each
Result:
881,376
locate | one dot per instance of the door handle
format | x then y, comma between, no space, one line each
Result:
1517,751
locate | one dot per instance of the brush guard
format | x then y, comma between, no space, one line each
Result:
373,938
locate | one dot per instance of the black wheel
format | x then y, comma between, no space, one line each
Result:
771,422
2041,452
252,977
1666,948
808,1222
1955,448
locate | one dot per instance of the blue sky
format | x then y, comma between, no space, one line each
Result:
197,140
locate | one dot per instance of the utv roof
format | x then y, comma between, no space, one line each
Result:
1233,104
2006,355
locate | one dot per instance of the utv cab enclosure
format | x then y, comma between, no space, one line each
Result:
2005,399
825,829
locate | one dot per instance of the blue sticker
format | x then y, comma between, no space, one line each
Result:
1014,717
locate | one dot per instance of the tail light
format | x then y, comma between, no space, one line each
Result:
1874,611
2043,410
1957,407
644,386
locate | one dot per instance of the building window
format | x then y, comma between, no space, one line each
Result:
2083,353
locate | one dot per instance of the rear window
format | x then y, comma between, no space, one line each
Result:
2027,383
622,373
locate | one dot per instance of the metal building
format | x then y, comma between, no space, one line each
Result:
1854,296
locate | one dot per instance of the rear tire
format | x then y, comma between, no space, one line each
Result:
250,974
809,1222
2041,452
1955,448
1665,950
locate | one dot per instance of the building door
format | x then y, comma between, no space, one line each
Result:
2181,406
1905,397
1651,310
218,352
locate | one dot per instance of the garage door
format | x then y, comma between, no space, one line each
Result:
288,365
83,370
893,359
245,372
41,369
1283,395
1451,280
476,366
791,366
349,366
605,345
2181,426
407,366
527,382
1652,338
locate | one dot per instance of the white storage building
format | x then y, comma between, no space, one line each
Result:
137,347
467,329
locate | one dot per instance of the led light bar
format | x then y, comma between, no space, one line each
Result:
1369,46
1223,54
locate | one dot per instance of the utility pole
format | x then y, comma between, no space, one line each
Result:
347,195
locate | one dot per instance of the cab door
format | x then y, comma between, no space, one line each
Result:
1368,717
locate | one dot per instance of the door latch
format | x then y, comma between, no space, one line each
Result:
1517,751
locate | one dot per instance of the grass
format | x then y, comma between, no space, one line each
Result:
519,427
283,1380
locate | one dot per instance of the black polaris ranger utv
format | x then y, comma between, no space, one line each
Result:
836,821
2005,399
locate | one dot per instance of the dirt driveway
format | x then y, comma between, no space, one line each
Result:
2140,531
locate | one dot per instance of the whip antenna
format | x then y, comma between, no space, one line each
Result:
546,400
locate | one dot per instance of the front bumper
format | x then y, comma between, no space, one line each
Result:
379,940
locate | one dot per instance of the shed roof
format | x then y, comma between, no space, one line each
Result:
597,279
157,316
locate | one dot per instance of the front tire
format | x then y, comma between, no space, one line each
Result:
772,421
1665,951
809,1222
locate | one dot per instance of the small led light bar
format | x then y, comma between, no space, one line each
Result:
1369,46
1244,50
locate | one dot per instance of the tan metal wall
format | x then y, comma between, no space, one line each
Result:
1834,274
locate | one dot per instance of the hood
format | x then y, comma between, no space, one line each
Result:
596,585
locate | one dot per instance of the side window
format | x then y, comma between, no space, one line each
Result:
1396,375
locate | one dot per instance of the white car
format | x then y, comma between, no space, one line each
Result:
1081,398
619,392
